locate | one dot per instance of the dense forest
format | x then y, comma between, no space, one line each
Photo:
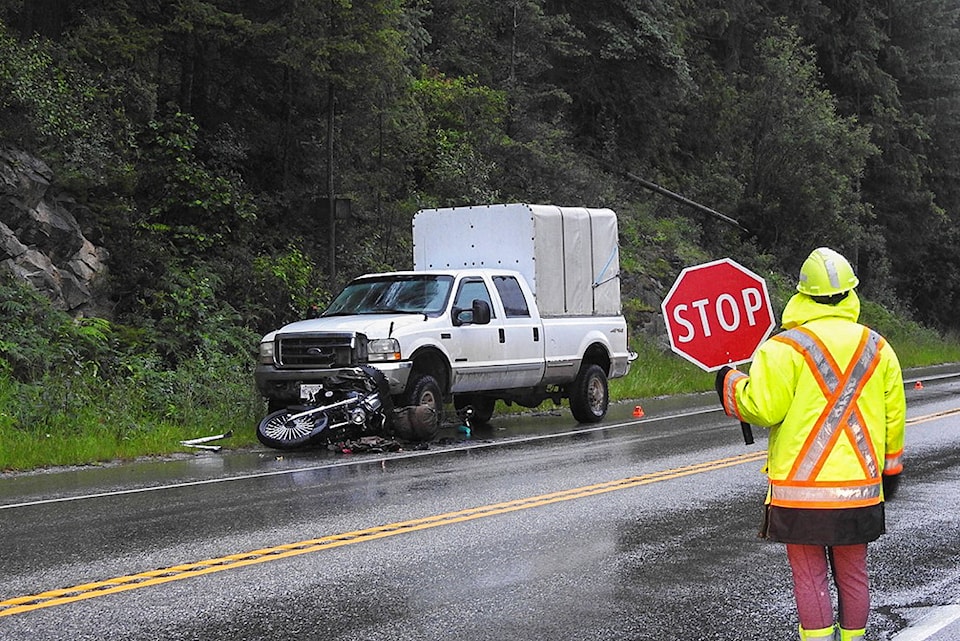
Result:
241,158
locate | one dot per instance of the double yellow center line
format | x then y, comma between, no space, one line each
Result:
189,570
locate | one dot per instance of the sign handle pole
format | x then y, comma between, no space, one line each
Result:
747,433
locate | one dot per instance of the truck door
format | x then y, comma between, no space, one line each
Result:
476,351
522,335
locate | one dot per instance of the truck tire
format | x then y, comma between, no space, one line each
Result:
483,406
422,390
589,395
383,388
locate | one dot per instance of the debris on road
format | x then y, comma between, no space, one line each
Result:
198,443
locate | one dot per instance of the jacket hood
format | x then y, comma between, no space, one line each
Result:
802,309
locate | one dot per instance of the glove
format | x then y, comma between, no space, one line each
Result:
721,374
891,482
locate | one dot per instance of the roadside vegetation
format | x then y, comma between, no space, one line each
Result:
80,391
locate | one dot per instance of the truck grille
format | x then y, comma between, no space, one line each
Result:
320,351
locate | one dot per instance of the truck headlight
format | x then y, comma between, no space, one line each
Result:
266,353
383,349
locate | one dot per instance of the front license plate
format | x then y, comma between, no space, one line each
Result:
309,391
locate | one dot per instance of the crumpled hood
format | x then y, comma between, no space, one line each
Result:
378,326
802,309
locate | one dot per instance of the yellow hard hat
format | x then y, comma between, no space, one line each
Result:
825,273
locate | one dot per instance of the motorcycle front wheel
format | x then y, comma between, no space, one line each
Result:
276,430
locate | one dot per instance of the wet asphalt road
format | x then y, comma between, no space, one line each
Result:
643,528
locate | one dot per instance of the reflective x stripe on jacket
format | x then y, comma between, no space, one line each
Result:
841,390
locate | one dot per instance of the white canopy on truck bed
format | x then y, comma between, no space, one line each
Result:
569,255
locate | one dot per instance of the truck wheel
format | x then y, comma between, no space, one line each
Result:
589,396
483,406
383,388
422,390
277,432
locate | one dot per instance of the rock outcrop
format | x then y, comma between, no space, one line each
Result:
40,239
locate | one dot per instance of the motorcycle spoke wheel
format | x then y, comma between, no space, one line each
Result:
279,432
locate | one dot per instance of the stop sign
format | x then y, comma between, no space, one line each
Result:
717,314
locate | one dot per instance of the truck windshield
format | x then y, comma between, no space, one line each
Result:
393,295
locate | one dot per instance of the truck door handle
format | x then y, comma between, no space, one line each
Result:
536,334
503,338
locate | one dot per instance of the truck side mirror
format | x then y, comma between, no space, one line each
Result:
479,314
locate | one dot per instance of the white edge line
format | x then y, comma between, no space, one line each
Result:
413,454
367,461
314,468
929,625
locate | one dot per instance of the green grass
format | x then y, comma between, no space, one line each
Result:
91,443
33,449
659,372
82,420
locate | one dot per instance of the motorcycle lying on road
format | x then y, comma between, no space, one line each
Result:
353,404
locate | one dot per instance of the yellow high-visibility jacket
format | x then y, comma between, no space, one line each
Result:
831,392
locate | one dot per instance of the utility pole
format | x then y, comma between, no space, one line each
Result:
686,201
654,187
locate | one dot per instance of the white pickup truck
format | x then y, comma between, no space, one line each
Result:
519,303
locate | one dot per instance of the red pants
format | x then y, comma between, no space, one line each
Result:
812,591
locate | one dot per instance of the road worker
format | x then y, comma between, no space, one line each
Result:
831,392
